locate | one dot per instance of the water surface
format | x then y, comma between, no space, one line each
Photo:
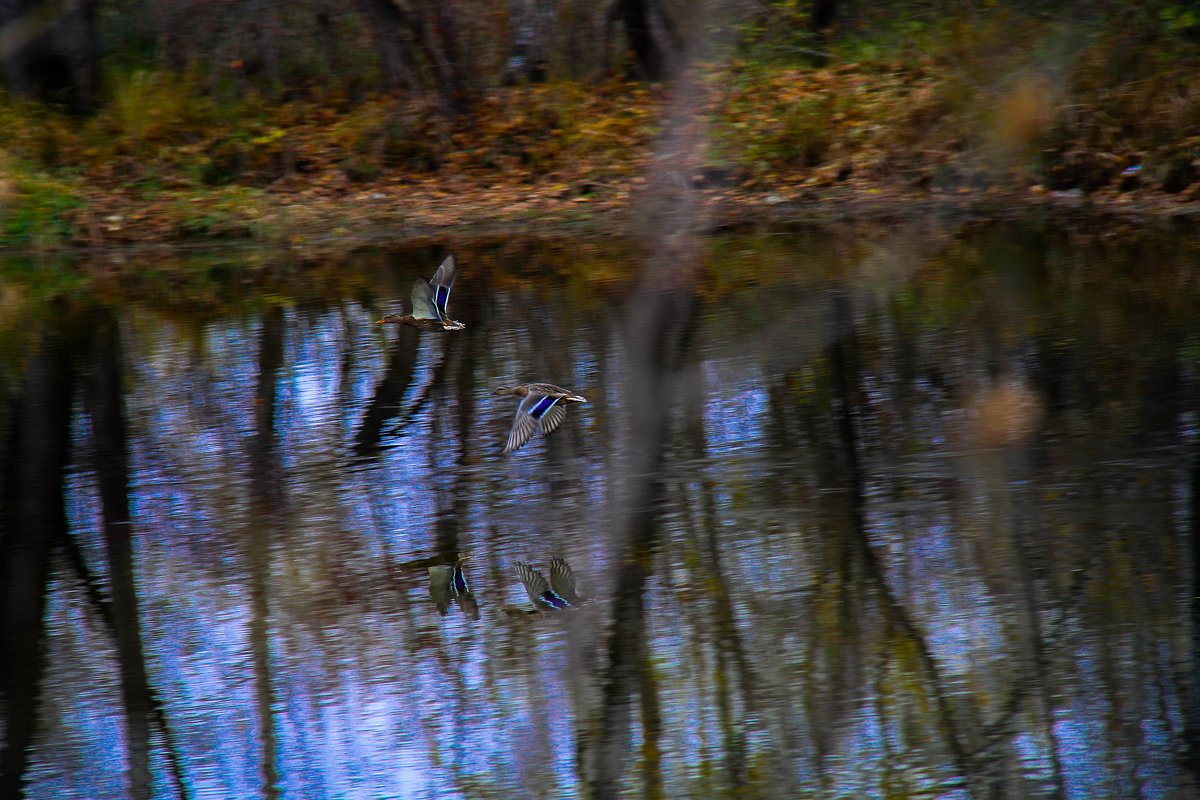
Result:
922,526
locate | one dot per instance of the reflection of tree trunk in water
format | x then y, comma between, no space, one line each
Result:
728,639
1191,731
453,504
843,359
651,714
658,328
33,518
1036,660
96,600
103,401
388,394
265,517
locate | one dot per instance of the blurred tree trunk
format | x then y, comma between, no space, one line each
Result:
659,331
390,30
417,41
32,519
103,401
50,50
651,38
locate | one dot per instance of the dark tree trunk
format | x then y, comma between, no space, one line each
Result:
32,519
390,31
50,50
824,14
650,37
418,43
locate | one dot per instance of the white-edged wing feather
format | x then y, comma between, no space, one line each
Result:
523,427
422,301
553,417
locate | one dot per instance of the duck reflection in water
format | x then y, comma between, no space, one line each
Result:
448,583
557,593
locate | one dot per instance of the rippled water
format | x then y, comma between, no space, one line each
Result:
943,547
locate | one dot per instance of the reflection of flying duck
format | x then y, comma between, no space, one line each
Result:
544,407
554,594
429,301
447,582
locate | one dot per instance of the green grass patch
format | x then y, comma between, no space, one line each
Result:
37,211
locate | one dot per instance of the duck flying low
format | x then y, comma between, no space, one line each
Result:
429,299
543,407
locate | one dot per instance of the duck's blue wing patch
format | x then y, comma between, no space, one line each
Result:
441,282
459,580
441,294
541,405
550,598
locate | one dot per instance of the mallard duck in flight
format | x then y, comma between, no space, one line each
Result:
429,301
544,407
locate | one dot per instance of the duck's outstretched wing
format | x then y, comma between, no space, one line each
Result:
463,597
523,427
441,282
553,417
422,301
538,588
440,586
562,581
535,409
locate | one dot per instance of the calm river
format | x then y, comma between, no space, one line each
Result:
906,514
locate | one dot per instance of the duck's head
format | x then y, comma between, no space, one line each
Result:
391,318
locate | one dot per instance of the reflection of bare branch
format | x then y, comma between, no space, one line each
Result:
99,603
728,639
388,393
844,366
1039,665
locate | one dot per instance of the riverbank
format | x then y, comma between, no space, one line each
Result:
332,219
966,121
